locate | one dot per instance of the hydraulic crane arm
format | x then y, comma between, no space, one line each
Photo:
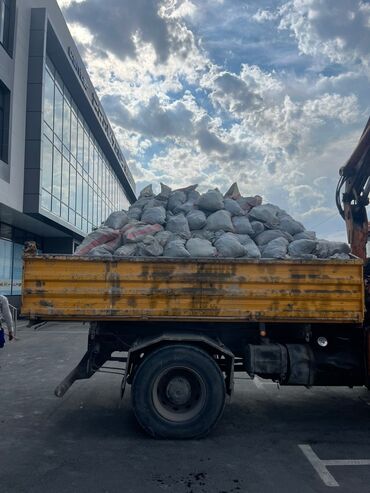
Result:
355,178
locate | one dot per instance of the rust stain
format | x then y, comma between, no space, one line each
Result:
46,303
217,290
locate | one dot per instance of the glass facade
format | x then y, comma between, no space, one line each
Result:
11,251
77,183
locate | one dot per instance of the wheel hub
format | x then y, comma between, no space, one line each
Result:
178,391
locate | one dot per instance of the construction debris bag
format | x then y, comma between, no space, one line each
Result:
257,227
134,213
220,220
163,237
305,235
154,215
149,247
290,225
228,246
139,231
178,224
164,194
252,249
247,203
204,234
117,220
298,248
193,196
233,207
276,248
242,225
176,249
265,214
211,201
100,236
196,219
176,199
233,192
231,226
326,249
128,250
100,251
200,248
184,208
269,235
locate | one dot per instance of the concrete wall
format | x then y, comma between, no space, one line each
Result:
13,72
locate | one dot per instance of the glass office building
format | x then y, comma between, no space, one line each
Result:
78,184
62,171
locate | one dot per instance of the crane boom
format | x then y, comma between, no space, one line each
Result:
355,178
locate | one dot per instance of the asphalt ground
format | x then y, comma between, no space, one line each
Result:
87,442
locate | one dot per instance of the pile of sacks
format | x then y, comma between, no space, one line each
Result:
184,223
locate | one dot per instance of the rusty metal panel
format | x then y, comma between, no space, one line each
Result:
73,287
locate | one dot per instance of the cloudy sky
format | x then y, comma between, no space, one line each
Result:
273,94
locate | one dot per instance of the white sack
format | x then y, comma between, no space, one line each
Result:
257,227
233,207
196,219
269,235
100,236
291,226
117,220
211,201
139,231
326,249
176,249
242,225
134,213
178,224
305,235
128,250
100,251
176,199
220,220
149,247
298,248
155,215
200,248
163,237
265,214
228,246
276,248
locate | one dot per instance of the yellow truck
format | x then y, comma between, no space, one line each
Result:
183,327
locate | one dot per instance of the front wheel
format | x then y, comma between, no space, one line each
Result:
178,391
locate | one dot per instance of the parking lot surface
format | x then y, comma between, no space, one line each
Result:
88,442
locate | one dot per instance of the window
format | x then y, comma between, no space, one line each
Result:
11,251
4,121
7,11
4,21
6,262
78,184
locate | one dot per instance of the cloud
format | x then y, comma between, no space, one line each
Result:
338,30
120,27
193,99
154,119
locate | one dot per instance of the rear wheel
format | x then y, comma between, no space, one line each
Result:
178,392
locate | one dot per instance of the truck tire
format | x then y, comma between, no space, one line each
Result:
178,391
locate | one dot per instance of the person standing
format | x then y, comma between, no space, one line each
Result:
5,316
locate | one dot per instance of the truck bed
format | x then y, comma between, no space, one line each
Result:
216,290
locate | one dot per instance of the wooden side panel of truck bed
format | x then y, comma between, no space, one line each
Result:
71,287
